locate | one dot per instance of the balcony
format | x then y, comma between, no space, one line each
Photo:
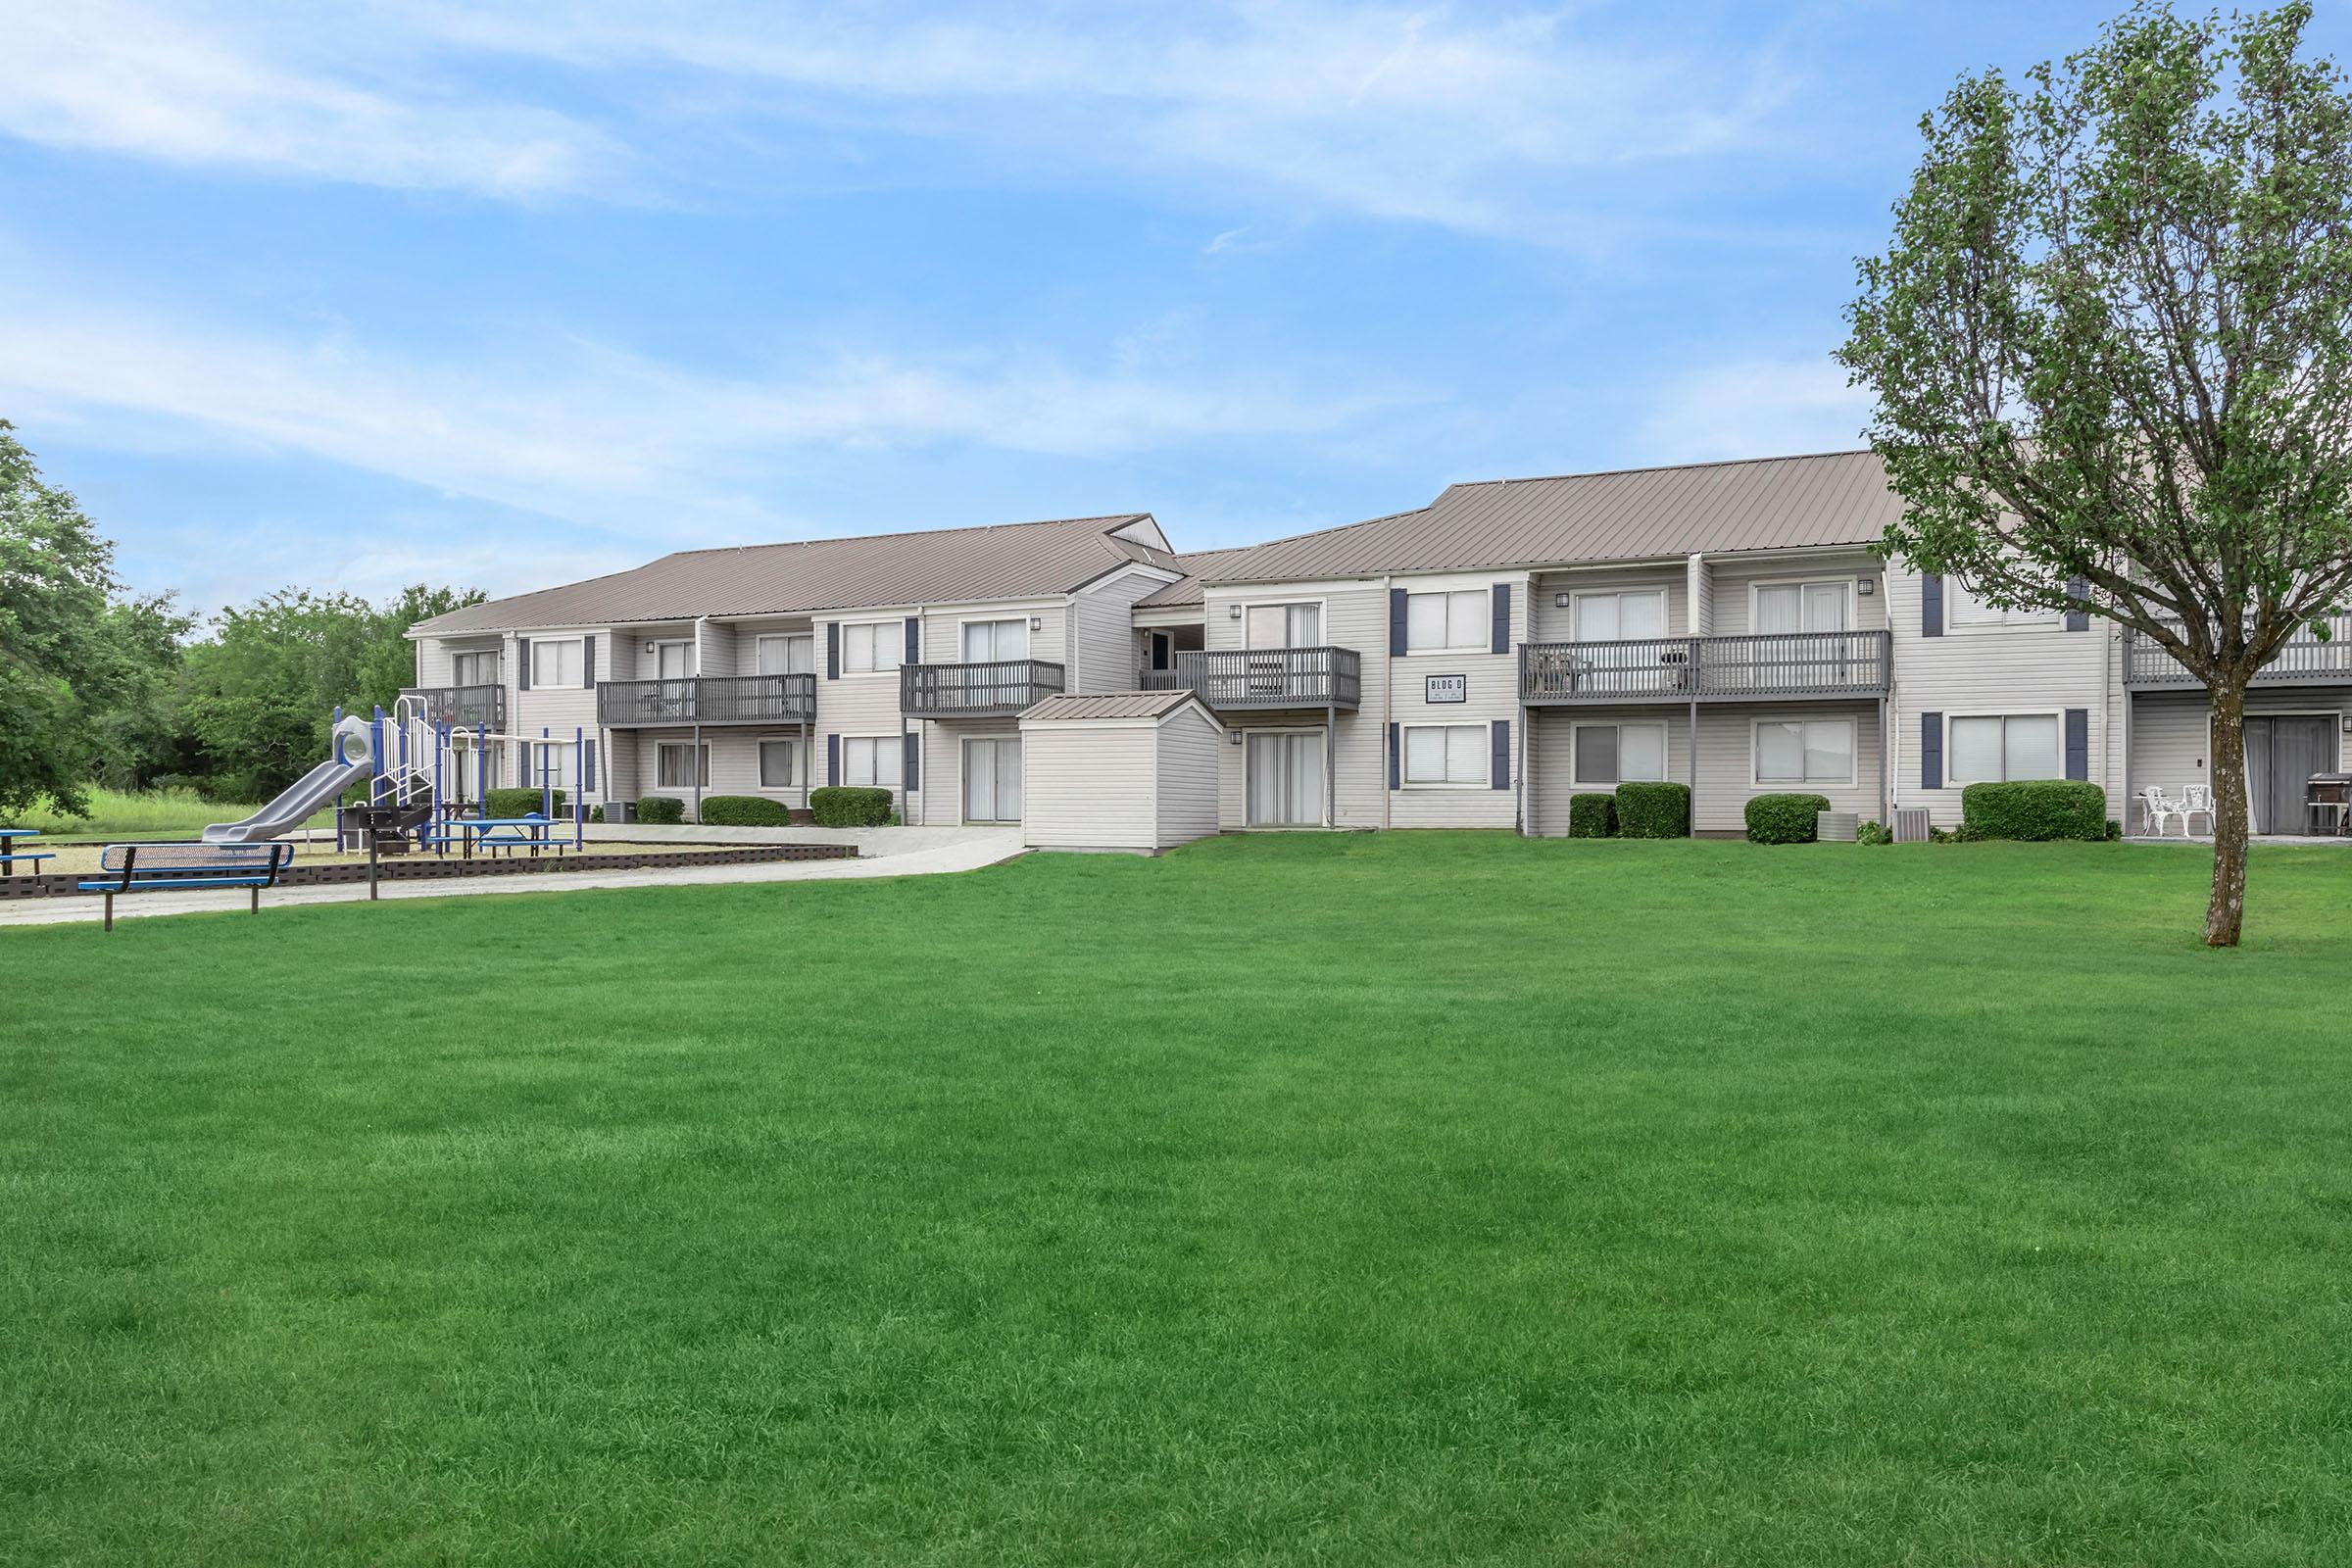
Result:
463,707
996,689
708,700
2303,659
1238,678
1682,669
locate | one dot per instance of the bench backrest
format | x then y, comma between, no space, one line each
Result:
225,860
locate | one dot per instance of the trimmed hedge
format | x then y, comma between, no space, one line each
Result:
744,811
520,802
662,811
1785,819
850,806
2036,810
1654,810
1592,816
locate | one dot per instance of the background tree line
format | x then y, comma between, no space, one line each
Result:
100,685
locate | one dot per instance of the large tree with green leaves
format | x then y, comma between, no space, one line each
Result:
2111,348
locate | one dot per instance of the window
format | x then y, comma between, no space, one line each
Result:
673,765
1283,626
789,654
1994,748
1614,754
870,760
1805,750
1436,622
780,766
673,660
1622,616
871,646
1444,753
989,641
1800,606
555,663
1962,608
479,668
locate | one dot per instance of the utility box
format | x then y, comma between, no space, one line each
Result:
1910,824
1836,827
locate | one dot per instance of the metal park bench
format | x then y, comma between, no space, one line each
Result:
12,857
151,868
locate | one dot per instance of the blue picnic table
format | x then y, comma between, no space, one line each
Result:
509,833
9,855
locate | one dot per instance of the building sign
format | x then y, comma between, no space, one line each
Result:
1448,688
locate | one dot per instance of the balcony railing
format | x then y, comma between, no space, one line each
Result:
2304,658
1678,670
1263,677
465,706
998,688
708,700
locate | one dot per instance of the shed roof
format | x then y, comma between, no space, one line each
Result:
1109,704
940,565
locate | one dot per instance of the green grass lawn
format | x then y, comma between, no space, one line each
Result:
1415,1199
145,815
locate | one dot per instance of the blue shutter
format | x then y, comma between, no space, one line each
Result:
1930,751
587,767
911,773
588,662
1930,605
2078,589
1500,776
832,650
1395,620
522,663
2077,745
1502,619
915,643
1395,759
832,759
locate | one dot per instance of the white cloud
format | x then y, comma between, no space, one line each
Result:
1752,409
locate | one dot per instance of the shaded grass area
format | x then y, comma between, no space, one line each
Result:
179,813
1403,1199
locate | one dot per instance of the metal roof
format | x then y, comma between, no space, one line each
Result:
941,565
1837,498
1198,566
1109,705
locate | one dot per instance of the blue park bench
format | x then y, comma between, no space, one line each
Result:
10,856
151,868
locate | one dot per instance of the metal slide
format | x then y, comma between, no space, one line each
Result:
352,761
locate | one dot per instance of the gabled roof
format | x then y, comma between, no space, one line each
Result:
1109,705
941,565
1198,566
1837,498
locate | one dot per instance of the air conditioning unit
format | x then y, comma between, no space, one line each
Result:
1836,827
1910,824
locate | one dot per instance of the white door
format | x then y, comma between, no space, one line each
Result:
991,780
1285,782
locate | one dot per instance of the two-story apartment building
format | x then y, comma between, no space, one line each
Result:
1473,663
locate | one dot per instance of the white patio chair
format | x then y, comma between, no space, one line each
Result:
2155,806
2195,799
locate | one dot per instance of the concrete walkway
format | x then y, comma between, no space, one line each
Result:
881,851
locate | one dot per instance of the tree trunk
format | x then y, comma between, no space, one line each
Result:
2225,912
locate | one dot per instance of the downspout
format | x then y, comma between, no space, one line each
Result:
1387,700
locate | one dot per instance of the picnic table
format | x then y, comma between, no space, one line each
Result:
531,833
9,855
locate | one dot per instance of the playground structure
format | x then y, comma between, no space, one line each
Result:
429,782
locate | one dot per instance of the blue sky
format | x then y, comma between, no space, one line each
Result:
352,296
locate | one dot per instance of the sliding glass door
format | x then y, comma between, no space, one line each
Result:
991,780
1285,782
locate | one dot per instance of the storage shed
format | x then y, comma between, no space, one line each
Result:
1120,772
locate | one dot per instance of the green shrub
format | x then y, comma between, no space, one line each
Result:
1874,833
851,805
596,813
1592,816
1785,819
1654,810
744,811
664,810
2034,810
521,802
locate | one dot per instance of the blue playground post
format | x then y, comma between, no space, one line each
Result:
547,782
579,787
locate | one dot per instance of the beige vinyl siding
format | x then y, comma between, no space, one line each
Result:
1353,616
714,652
2172,735
1996,669
1187,804
1557,623
943,631
940,804
558,710
1491,684
1101,640
1550,767
1726,761
1089,786
1732,585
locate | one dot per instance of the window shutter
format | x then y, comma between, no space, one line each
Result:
832,759
1395,620
2078,744
1930,751
1395,758
1500,776
1502,619
1931,607
915,643
522,663
587,767
588,662
911,773
832,650
2078,589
